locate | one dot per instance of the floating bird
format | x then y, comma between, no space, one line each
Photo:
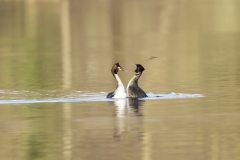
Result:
133,90
120,90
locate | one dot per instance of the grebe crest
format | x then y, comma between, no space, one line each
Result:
120,90
133,90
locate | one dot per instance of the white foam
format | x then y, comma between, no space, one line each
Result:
19,97
173,95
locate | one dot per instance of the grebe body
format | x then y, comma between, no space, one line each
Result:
133,90
120,91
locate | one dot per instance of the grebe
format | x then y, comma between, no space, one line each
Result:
120,92
133,90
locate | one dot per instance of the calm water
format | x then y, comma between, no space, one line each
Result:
55,61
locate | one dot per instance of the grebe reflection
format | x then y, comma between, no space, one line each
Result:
127,117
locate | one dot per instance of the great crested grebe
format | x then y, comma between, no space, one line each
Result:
133,90
120,91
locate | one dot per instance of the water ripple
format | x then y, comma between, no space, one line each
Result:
18,97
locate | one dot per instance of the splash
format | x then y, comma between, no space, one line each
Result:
20,97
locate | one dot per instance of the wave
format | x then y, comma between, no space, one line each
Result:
24,96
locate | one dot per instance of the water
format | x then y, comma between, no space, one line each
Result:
18,97
55,61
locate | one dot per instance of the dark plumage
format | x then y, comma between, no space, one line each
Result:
133,90
110,95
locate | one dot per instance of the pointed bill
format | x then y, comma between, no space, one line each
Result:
122,69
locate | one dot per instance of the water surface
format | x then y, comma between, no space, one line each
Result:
55,61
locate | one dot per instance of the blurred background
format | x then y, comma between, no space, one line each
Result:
50,42
61,47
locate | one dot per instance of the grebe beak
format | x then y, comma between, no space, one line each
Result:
122,69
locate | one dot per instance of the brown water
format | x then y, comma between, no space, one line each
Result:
56,54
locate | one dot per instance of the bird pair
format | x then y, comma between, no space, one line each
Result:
133,90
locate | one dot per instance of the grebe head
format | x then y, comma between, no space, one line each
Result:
139,68
116,67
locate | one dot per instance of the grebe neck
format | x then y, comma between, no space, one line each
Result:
135,78
118,80
120,92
